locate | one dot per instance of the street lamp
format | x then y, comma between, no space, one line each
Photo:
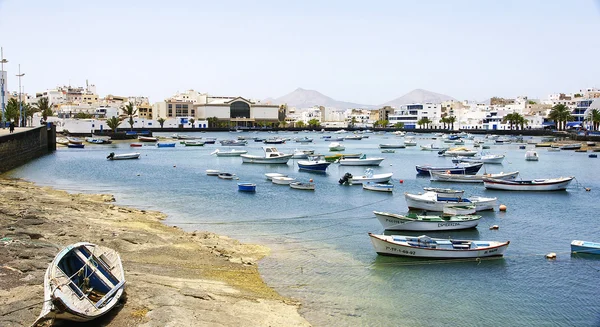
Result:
2,62
20,99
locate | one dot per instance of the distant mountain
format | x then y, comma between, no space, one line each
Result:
301,98
418,96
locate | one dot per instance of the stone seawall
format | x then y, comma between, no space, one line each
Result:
25,145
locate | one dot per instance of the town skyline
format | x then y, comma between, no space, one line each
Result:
350,51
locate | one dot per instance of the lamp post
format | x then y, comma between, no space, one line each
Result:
20,98
2,62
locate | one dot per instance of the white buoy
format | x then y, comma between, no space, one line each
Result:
551,255
494,227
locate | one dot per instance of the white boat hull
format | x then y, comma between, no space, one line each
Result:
378,187
377,178
385,245
282,180
543,185
125,156
264,160
428,201
360,162
440,176
396,222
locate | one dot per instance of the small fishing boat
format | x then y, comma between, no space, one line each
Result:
372,186
233,142
442,176
572,146
75,146
302,154
547,184
282,180
410,141
226,175
338,156
303,186
84,281
165,145
367,177
531,156
590,143
193,143
593,155
432,201
433,147
335,146
271,156
269,176
353,138
212,172
62,140
147,139
392,146
123,156
314,163
246,187
229,153
459,210
98,140
487,159
362,161
303,140
448,192
274,141
454,152
388,151
414,222
585,247
136,145
427,247
466,168
553,150
210,140
74,140
182,137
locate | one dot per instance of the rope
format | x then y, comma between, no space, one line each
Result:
579,185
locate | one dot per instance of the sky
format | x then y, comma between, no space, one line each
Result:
367,52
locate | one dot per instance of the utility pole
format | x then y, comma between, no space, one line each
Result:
20,98
2,62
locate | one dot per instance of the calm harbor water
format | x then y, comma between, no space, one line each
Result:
322,254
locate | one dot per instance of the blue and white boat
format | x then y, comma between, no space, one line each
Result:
76,146
585,247
378,187
314,163
165,145
246,187
466,168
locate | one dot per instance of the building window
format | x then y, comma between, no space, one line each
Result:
170,106
170,113
239,109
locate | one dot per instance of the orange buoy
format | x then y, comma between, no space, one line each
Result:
310,180
502,207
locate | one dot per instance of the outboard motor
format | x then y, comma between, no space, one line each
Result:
345,179
111,155
442,152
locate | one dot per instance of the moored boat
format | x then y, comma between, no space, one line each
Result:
212,172
367,177
414,222
232,142
123,156
432,201
282,180
229,153
362,161
225,175
246,187
147,139
314,163
531,156
547,184
271,156
269,176
379,187
459,210
84,281
335,146
572,146
303,186
433,147
392,146
585,247
445,191
76,146
427,247
466,168
442,176
193,143
165,145
136,145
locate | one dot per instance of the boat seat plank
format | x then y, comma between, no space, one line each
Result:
109,295
94,269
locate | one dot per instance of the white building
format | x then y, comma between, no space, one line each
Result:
410,114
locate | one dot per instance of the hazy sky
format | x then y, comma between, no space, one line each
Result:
366,52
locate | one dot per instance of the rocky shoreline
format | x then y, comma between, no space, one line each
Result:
174,278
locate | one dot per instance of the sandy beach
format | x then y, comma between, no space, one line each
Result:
174,278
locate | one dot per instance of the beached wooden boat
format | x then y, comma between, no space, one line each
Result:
147,139
432,201
74,140
585,247
378,187
572,146
246,187
123,156
83,282
136,145
427,247
303,186
415,222
62,140
547,184
441,176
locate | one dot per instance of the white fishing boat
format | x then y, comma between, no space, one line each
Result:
547,184
212,172
367,177
454,152
392,146
271,156
378,187
572,146
431,201
282,180
229,153
426,247
445,191
353,137
335,146
459,210
308,186
147,139
433,147
225,175
441,176
410,141
531,156
414,222
362,161
302,154
123,156
83,282
193,143
487,159
269,176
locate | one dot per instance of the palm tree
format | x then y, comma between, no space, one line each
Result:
399,125
421,122
113,123
212,122
314,122
510,119
12,110
444,120
299,124
29,110
594,117
130,110
44,107
192,121
353,122
283,124
161,121
451,120
560,114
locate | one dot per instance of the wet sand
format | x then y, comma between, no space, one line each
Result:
174,278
